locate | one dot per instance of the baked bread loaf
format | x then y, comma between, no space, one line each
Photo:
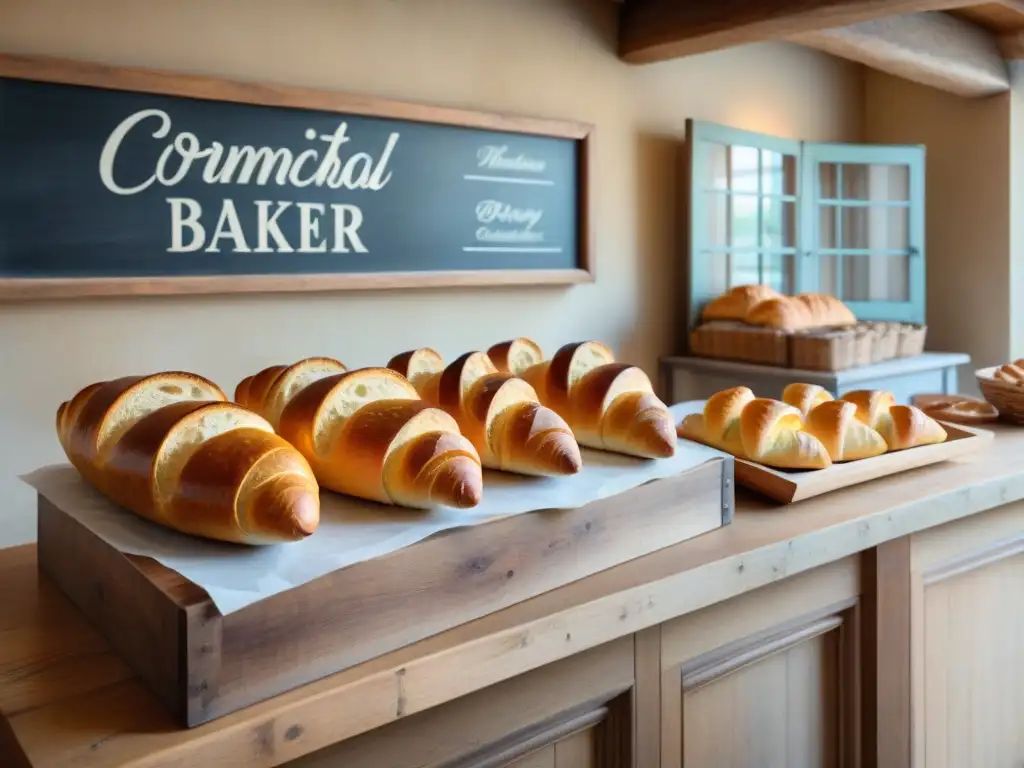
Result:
758,429
1012,373
902,426
170,448
499,413
270,390
835,424
737,303
515,356
794,313
368,433
608,405
805,397
417,365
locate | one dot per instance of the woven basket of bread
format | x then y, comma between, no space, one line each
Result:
731,340
1003,386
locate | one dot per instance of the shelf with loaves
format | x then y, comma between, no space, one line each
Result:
808,428
171,448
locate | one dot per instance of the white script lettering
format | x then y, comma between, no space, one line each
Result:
495,158
488,211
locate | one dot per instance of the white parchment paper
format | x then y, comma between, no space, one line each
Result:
351,530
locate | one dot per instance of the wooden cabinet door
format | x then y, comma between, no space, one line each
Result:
768,679
967,641
576,713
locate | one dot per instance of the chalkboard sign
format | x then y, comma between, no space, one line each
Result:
130,181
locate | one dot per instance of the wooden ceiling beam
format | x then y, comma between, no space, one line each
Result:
656,30
935,49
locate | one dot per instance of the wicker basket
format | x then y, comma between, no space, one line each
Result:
1006,397
911,341
729,340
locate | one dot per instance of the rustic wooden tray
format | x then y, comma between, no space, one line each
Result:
789,486
202,664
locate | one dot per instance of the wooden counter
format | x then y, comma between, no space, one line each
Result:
795,636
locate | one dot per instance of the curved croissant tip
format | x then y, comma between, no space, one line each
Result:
286,510
562,456
658,437
459,484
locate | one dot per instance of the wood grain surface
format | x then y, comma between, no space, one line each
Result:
67,700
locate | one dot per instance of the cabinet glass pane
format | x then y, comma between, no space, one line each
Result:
778,173
718,272
827,273
777,271
744,269
744,169
876,277
827,175
718,220
717,166
778,220
744,221
876,182
875,228
827,226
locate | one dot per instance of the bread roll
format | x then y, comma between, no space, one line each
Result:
805,397
367,433
765,431
835,424
501,415
416,365
515,356
902,426
1011,373
552,379
794,313
170,448
737,303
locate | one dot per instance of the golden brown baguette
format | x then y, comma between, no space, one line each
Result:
270,390
609,406
170,448
805,397
738,302
368,433
500,414
515,356
758,429
902,426
794,313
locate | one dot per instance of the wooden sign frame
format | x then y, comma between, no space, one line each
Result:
68,72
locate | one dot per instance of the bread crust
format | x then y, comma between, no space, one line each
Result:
737,303
516,355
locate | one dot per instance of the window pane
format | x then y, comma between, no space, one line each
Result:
744,269
744,221
876,228
718,272
718,220
778,173
717,170
744,169
827,226
876,277
827,177
777,271
779,222
827,274
876,182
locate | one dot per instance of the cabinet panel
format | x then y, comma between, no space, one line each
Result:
770,678
968,642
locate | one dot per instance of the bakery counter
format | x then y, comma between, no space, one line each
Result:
800,635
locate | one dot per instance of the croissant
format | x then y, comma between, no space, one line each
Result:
170,448
368,433
835,424
737,303
608,405
805,397
758,429
515,356
902,426
498,412
271,389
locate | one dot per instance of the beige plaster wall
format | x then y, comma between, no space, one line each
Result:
968,225
550,58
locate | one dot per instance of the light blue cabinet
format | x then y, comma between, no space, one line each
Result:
844,219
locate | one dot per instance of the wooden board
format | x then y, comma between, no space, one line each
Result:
795,485
203,665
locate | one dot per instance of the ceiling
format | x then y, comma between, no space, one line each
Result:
954,45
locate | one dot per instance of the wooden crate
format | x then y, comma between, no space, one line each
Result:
203,665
